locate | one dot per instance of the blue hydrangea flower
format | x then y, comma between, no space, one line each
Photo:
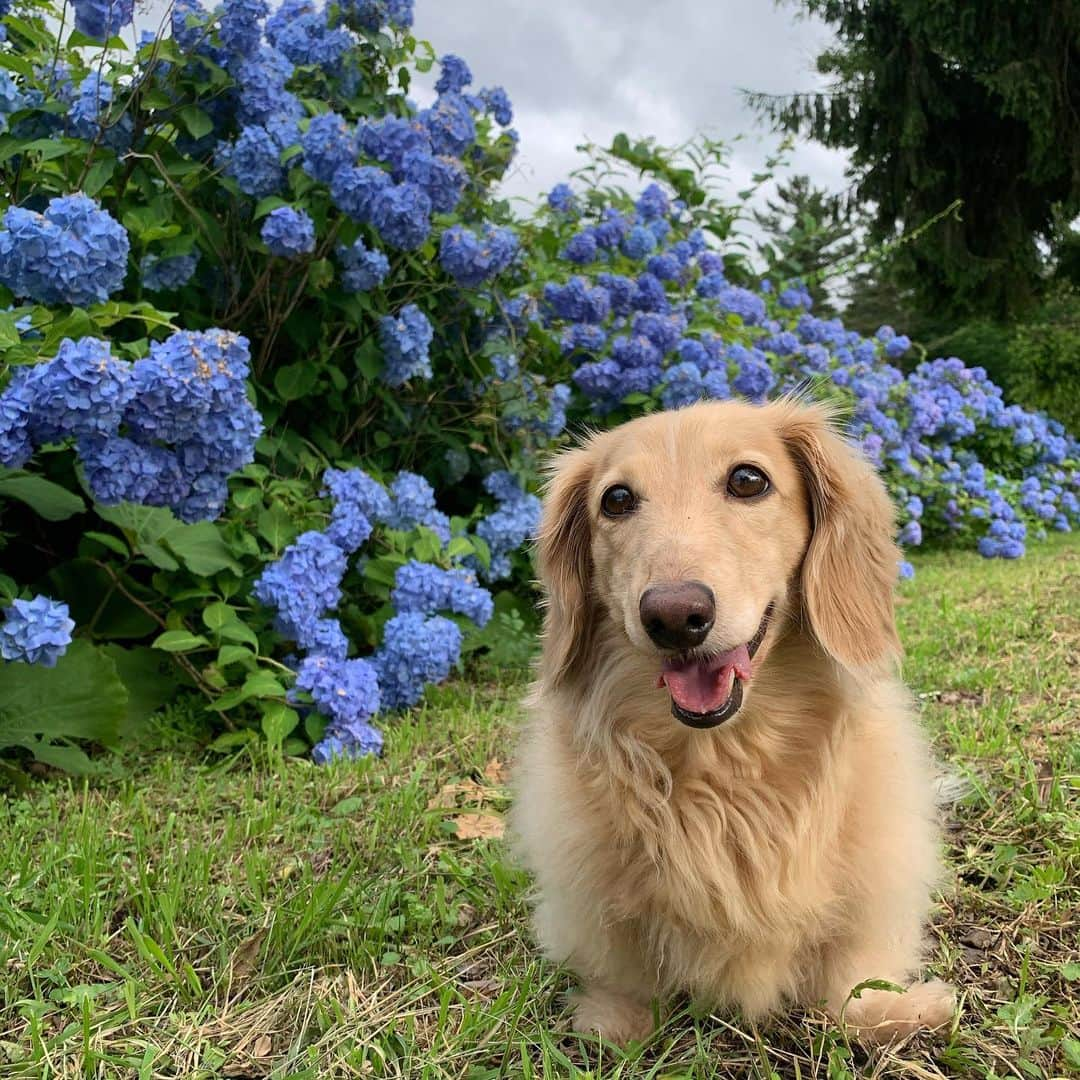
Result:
102,19
455,74
16,412
167,274
89,115
449,124
301,31
401,213
497,103
471,260
303,584
344,691
427,589
414,504
356,487
578,301
187,21
329,146
74,253
639,243
82,391
36,631
240,26
288,233
363,741
561,197
362,269
404,339
416,650
653,203
356,189
442,179
506,529
254,162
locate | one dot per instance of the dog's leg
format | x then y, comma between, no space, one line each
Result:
882,1016
617,1017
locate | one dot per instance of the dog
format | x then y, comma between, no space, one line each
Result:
722,789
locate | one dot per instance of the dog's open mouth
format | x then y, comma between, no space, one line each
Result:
707,690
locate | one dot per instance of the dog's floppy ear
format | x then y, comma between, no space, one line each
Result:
565,564
850,567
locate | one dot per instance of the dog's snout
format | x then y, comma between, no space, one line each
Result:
678,615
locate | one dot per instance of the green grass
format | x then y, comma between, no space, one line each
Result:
195,916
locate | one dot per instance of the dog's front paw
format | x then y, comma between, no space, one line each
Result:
614,1017
881,1016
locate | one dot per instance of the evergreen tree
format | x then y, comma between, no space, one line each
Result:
938,100
808,232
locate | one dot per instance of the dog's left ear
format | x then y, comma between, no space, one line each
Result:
850,568
565,563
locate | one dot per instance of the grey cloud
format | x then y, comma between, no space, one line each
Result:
674,69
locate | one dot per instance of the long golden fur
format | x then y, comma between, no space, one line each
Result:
788,854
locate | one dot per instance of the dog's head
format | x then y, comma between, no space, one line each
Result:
697,533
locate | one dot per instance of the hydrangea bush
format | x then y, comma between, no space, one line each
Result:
278,365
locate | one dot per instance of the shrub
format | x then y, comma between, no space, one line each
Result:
279,366
1044,358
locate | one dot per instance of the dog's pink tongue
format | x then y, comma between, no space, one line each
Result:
703,686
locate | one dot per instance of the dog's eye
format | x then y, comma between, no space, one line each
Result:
618,500
746,481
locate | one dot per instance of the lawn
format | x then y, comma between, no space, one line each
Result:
199,915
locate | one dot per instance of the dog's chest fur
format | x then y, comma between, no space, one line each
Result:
724,839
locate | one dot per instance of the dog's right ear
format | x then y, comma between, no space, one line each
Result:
565,564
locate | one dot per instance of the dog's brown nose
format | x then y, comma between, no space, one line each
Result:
678,615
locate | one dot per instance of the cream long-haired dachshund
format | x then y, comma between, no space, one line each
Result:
722,789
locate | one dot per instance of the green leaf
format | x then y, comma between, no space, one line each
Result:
232,739
9,334
49,500
196,121
259,685
276,527
150,680
459,546
383,569
81,698
202,549
278,722
179,641
69,758
98,176
237,631
234,654
294,381
107,541
217,615
265,206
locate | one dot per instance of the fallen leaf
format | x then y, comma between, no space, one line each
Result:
262,1047
245,958
979,938
470,792
479,826
496,772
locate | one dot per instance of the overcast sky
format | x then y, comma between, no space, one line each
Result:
580,70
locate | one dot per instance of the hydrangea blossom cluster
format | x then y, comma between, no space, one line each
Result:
102,19
419,646
167,430
73,253
36,631
470,259
514,521
169,273
646,313
405,339
288,233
